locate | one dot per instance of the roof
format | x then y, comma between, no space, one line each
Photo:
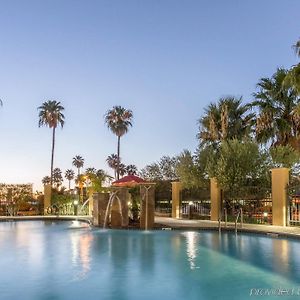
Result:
129,180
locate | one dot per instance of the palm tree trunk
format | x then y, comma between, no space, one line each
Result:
52,155
118,162
69,185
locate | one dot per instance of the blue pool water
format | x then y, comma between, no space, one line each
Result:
69,260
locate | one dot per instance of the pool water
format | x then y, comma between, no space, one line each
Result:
69,260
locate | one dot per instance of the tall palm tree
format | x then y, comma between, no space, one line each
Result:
113,162
278,106
118,120
226,119
69,175
50,115
78,162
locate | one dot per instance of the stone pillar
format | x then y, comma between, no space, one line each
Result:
47,197
147,191
215,200
176,188
100,202
91,202
119,215
280,180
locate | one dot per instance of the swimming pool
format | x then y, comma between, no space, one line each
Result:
69,260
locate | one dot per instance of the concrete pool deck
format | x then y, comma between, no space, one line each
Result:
167,222
206,225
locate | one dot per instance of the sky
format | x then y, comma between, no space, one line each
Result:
166,60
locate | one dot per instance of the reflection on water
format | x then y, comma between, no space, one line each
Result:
192,243
81,254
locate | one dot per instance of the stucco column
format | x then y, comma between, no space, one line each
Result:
47,197
280,180
147,192
91,202
176,188
100,201
215,200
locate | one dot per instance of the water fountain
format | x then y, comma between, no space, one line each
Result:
111,208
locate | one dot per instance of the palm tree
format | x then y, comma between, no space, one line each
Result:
122,169
118,120
78,162
224,120
69,175
57,177
90,171
131,170
293,76
297,48
50,115
278,105
113,162
46,180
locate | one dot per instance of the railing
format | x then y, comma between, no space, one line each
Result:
163,206
195,203
195,209
293,192
66,209
256,204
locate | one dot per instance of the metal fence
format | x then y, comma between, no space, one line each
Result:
163,197
255,202
293,205
67,209
195,203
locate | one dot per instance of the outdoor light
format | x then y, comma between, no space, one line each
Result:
190,203
129,203
265,214
76,202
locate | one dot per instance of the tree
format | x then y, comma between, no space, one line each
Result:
90,171
69,175
57,177
131,170
151,172
50,115
190,172
284,156
224,120
78,162
118,120
122,169
164,169
293,75
278,121
240,164
97,179
113,161
297,48
46,180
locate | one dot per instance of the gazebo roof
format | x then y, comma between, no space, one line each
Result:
129,180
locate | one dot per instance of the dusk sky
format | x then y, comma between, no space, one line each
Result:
165,60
